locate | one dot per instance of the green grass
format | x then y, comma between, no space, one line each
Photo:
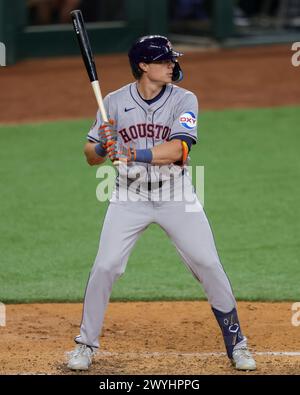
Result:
50,218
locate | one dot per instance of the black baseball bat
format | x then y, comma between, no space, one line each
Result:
84,44
87,56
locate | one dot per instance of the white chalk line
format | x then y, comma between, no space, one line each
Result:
194,354
176,354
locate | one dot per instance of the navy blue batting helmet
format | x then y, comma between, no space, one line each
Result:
150,49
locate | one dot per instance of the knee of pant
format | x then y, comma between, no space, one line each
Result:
209,263
108,268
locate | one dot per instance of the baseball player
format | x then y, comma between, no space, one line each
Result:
152,128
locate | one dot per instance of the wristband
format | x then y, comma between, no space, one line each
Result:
100,151
143,155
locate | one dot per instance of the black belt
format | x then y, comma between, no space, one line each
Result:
154,185
150,185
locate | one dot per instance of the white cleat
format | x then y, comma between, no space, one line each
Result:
81,358
242,358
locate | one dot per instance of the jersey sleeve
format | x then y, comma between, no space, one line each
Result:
93,134
185,123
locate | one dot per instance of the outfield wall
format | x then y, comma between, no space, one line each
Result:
139,17
142,17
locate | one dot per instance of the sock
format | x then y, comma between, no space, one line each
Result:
230,327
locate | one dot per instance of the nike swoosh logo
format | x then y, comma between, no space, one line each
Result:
129,109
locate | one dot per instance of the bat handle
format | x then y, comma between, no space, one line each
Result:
98,95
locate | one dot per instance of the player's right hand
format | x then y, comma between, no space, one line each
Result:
120,153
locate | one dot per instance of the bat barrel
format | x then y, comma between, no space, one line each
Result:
84,44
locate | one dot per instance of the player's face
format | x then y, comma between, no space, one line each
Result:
160,71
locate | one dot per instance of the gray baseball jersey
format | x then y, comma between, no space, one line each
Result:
172,115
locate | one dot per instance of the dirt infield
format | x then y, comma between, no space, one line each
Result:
59,88
160,337
147,338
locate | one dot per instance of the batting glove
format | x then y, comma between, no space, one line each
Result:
130,154
108,138
106,132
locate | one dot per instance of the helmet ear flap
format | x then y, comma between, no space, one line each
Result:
177,72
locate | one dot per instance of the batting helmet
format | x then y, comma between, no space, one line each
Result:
149,49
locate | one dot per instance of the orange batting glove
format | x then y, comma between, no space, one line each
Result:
106,132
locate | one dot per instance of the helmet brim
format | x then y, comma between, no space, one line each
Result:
172,55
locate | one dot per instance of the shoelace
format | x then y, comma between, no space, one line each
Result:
80,350
245,352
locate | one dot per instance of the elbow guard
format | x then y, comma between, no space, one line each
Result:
185,151
185,154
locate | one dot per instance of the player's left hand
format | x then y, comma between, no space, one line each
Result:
108,137
107,132
111,149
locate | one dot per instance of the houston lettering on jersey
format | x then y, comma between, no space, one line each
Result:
143,130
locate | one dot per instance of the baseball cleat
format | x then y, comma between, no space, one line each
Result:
242,358
80,358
